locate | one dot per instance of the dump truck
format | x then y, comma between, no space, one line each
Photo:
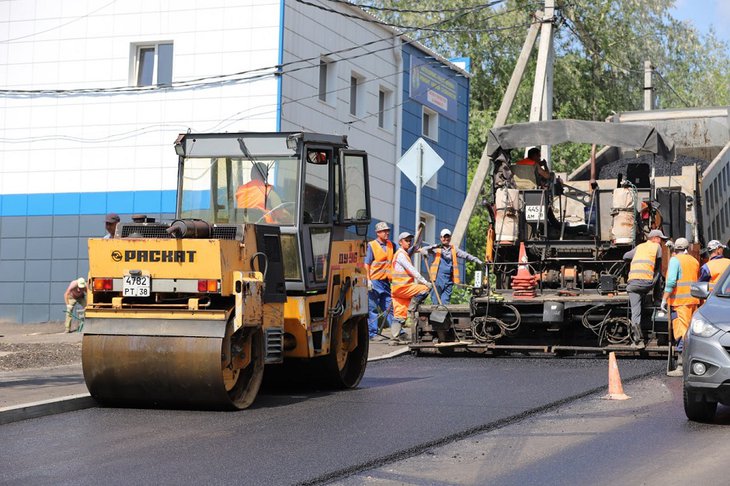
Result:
555,279
261,268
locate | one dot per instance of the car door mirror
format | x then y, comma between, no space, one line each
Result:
700,290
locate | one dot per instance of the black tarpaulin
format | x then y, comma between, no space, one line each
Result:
641,138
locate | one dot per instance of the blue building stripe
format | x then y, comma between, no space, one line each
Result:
64,204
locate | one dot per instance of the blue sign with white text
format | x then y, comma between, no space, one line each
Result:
431,88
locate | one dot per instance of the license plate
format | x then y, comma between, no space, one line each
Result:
534,213
136,286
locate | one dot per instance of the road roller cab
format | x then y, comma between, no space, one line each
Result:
263,266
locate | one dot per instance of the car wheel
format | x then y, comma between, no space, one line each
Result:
697,408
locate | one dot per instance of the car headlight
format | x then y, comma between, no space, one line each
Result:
700,327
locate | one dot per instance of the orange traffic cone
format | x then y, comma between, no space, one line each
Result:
524,283
615,389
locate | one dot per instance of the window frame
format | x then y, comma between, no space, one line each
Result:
430,128
385,108
356,100
327,81
161,65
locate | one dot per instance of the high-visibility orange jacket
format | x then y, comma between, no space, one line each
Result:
381,267
642,265
433,270
253,194
716,267
400,276
690,269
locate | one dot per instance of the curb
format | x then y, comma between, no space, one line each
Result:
46,407
395,353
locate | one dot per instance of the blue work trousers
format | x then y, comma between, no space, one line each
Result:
379,297
444,285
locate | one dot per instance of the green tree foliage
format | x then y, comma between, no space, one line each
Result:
600,49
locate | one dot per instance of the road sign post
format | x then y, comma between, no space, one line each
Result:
419,164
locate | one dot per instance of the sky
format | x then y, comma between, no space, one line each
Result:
705,13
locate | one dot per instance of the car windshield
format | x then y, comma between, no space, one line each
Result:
240,190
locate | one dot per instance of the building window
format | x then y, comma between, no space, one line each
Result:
323,79
353,96
356,97
153,64
327,90
385,108
430,124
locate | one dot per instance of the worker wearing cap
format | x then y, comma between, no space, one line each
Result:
110,223
683,270
444,270
75,295
409,286
378,268
716,265
643,275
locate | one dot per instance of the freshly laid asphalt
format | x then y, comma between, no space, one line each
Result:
403,406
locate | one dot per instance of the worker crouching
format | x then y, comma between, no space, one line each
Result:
406,293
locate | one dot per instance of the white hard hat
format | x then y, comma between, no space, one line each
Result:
446,232
81,283
681,244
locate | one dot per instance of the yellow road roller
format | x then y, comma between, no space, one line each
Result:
261,269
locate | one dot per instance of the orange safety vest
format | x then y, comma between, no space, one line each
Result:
642,265
253,194
382,264
717,267
400,276
690,273
433,270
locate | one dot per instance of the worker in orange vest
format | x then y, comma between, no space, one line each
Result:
683,270
378,268
716,265
643,275
258,194
533,159
444,270
409,287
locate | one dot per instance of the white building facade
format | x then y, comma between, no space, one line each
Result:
93,94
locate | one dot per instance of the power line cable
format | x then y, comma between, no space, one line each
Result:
406,10
255,74
465,11
686,103
57,26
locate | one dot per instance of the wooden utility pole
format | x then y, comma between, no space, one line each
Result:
484,167
542,91
648,86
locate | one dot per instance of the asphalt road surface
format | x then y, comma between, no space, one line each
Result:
645,440
404,406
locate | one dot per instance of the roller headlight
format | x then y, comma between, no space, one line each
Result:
700,327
